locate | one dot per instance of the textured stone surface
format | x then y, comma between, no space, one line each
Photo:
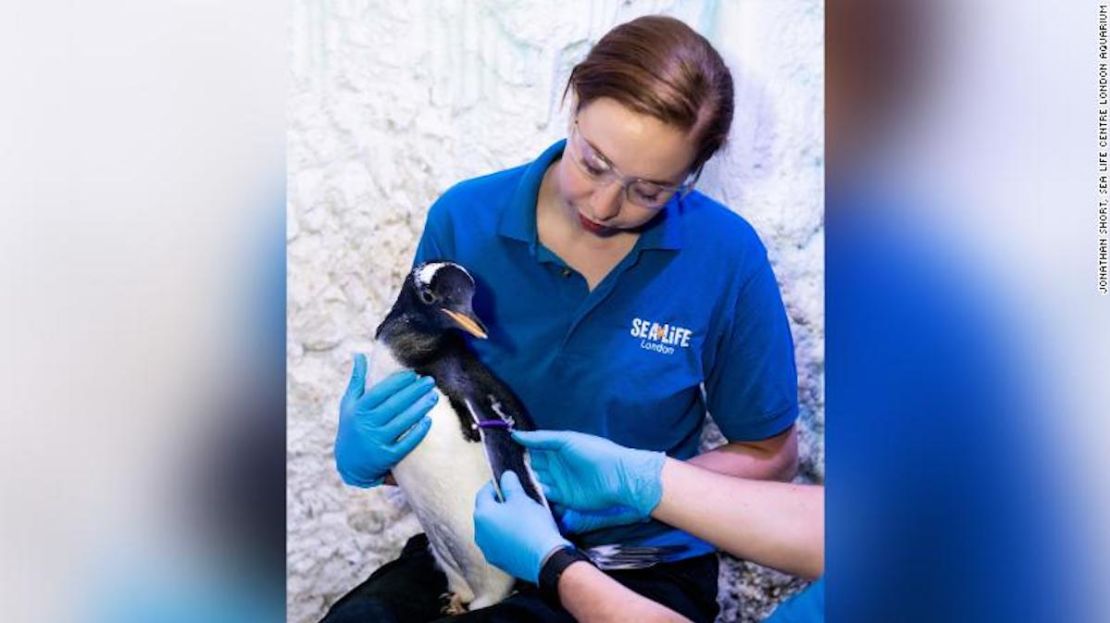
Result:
391,103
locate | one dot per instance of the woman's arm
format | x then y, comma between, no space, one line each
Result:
519,535
776,524
593,597
775,458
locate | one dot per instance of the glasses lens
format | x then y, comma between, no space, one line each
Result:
648,195
589,161
641,193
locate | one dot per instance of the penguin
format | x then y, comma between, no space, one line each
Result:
469,442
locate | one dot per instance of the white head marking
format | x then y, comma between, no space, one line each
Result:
425,273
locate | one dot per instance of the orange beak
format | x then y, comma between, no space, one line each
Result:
466,323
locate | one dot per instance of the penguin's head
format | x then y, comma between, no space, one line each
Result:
441,294
435,299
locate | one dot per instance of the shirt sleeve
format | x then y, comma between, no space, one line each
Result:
435,242
752,389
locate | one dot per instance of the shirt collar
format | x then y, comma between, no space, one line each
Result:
665,230
518,214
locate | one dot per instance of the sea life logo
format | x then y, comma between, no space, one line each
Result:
661,338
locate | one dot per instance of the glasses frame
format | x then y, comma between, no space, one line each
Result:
614,174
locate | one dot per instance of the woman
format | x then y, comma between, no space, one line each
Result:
621,303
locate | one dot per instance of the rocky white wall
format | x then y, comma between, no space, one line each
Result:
393,102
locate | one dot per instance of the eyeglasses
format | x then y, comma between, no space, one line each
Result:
641,192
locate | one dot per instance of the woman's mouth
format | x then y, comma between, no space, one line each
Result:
594,228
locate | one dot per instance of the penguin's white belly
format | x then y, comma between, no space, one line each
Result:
441,479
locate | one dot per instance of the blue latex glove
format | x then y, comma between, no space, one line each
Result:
588,473
380,427
516,535
573,521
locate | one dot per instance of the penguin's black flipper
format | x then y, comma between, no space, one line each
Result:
493,397
507,455
495,423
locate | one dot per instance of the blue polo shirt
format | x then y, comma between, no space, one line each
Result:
694,305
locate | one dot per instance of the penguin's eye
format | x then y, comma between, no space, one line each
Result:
427,297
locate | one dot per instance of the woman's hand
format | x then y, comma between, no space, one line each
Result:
586,473
378,428
516,535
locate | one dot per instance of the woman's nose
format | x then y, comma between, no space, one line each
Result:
606,201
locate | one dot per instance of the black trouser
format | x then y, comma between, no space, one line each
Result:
409,590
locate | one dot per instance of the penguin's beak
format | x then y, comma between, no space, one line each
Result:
468,323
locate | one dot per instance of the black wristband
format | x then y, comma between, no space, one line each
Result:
554,567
